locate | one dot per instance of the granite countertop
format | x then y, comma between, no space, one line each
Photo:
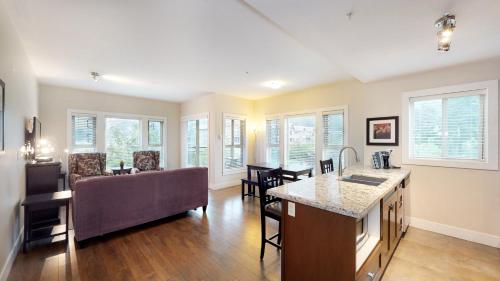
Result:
351,199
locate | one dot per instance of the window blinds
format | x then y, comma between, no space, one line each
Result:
83,129
273,141
300,140
333,135
448,126
234,143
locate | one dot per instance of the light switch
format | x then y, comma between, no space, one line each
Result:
291,209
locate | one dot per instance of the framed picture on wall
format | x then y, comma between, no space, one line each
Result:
382,131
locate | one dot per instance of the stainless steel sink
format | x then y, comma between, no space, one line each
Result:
373,181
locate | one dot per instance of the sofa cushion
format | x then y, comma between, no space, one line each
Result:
145,162
89,167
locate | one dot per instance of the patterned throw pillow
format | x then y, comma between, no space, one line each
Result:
145,163
89,167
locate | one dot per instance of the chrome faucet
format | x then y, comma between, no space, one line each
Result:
340,158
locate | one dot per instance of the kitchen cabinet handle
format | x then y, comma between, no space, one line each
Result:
371,275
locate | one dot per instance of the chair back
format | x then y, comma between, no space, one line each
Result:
75,157
269,179
326,166
148,160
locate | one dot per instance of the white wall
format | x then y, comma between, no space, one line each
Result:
21,102
55,102
216,105
443,199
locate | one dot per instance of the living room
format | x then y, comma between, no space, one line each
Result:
203,140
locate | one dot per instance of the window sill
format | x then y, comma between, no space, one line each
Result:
233,171
460,164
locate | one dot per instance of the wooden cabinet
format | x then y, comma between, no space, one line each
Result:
389,234
392,223
43,178
399,211
371,269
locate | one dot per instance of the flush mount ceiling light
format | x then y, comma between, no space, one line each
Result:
96,76
274,84
445,26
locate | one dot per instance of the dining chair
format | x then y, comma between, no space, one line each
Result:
326,166
270,206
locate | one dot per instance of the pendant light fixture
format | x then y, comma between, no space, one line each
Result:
445,26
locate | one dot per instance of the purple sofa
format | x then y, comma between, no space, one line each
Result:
105,204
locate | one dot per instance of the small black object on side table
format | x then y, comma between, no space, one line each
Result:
44,201
121,171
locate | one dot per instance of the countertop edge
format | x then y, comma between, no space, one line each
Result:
342,211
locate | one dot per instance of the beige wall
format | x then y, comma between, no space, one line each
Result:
467,199
55,102
216,105
324,96
21,103
463,198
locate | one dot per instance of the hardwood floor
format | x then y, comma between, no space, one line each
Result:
224,244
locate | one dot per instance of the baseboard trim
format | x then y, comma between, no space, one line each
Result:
4,275
223,185
457,232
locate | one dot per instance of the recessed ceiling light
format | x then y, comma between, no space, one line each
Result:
274,84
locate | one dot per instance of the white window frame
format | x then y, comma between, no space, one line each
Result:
319,135
192,117
101,128
491,122
244,142
280,146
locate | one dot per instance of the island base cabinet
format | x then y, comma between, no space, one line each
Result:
371,269
313,246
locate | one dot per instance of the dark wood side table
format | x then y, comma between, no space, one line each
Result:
44,201
43,178
62,176
119,171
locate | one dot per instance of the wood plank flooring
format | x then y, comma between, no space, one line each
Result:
224,244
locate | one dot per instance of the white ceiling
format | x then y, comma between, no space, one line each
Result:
178,50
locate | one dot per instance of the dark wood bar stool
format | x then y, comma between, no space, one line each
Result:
326,166
270,206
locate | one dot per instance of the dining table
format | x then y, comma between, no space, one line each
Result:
291,172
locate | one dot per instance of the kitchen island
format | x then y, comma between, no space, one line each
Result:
342,228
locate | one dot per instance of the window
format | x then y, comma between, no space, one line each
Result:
300,145
123,137
333,135
118,135
234,143
196,142
155,138
273,154
83,132
452,126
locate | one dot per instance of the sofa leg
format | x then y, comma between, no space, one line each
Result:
204,208
80,244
